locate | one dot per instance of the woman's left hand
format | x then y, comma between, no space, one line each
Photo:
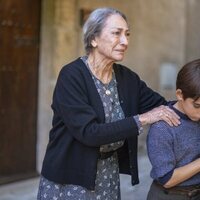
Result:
160,113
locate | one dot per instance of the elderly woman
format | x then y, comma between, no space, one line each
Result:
99,110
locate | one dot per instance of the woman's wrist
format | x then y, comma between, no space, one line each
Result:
144,118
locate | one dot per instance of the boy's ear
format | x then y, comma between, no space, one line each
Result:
179,94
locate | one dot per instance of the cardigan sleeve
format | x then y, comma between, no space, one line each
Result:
71,106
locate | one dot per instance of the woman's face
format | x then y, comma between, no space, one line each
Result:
113,40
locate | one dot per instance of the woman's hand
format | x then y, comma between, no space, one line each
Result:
160,113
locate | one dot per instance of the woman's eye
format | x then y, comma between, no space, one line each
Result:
116,33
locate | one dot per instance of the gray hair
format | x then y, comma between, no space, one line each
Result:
95,23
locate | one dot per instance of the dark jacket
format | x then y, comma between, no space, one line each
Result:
79,127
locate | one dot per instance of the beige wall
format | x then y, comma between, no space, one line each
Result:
192,44
161,31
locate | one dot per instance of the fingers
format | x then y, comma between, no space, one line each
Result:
171,117
160,113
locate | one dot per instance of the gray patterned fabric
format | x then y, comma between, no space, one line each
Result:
107,185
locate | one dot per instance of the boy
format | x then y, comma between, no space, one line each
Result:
174,152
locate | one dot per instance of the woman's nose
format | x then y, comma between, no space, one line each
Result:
124,40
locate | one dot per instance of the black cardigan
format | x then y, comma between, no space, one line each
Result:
79,127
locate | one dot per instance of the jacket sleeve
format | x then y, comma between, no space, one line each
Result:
71,105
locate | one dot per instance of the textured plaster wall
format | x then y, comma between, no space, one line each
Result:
192,47
160,36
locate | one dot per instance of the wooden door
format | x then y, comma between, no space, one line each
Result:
19,53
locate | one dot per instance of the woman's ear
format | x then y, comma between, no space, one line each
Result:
93,43
179,95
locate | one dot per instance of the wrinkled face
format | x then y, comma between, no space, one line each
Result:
191,108
113,40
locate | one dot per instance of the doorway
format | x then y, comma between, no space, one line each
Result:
19,57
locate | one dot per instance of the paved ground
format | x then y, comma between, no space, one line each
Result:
26,190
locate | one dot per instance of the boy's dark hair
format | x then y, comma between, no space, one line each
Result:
188,80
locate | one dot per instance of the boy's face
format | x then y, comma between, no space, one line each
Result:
192,108
189,106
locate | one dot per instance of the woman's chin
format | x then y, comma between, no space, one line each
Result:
119,58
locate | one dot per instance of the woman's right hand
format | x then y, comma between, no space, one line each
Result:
160,113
